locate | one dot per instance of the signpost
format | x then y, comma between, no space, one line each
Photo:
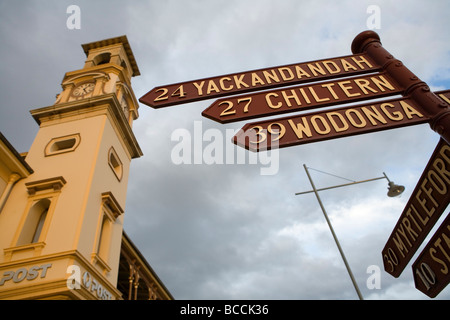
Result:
431,269
371,72
302,98
268,78
428,201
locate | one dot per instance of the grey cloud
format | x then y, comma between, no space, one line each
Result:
225,231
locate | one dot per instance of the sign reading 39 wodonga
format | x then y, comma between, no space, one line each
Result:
329,124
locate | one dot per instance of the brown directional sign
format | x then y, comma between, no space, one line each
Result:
428,201
301,98
329,124
220,86
431,270
444,95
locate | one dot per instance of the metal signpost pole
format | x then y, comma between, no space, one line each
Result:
334,235
431,105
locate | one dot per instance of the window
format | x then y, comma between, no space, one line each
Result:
110,211
62,144
105,237
34,223
40,225
115,163
123,65
102,58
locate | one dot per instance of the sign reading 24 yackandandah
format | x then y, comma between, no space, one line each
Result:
268,78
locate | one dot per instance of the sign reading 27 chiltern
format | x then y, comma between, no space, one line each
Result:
299,98
220,86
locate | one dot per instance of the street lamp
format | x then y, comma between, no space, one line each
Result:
393,191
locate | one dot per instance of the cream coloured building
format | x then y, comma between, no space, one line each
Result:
62,203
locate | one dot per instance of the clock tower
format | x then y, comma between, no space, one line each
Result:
61,227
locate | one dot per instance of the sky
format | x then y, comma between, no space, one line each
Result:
229,229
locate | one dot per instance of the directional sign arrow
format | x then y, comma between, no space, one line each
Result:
431,269
428,201
261,79
301,98
329,124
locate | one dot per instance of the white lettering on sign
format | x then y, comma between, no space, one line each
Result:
23,273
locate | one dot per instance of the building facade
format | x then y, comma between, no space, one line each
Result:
62,203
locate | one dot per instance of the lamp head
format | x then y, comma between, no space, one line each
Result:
395,190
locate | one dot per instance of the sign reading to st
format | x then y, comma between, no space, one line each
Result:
208,88
426,204
431,269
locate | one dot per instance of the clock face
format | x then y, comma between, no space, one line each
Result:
83,89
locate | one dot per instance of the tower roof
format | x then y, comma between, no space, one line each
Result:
107,42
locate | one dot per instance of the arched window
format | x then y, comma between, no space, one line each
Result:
40,225
105,238
123,64
106,231
34,223
102,58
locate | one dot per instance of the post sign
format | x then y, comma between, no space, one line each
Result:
428,201
25,273
268,78
301,98
329,124
431,270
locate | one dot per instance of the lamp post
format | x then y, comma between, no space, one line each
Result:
394,190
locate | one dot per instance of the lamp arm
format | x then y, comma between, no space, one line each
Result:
344,185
